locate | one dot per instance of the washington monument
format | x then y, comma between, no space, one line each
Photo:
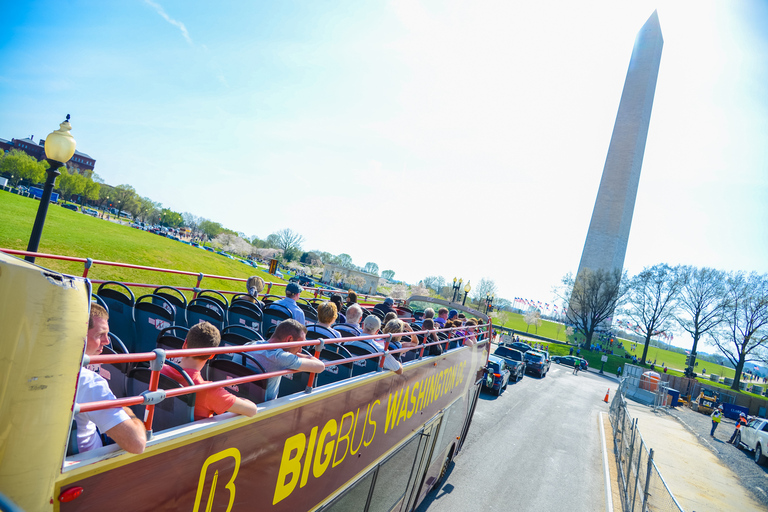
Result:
606,243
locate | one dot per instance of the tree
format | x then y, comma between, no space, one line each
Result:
147,210
92,191
485,288
287,240
702,303
435,282
190,220
388,274
123,198
532,317
592,298
399,292
170,218
746,317
371,268
70,183
104,194
18,166
651,301
344,260
209,228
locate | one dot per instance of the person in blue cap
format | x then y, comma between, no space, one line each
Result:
292,292
452,314
387,306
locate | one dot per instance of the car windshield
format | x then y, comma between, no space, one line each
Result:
534,356
510,353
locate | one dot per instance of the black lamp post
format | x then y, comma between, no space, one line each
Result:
466,292
488,302
59,148
456,289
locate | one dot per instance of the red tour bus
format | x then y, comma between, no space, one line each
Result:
371,441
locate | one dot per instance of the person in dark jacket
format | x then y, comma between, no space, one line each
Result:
387,306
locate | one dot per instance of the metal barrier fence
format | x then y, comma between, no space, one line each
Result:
641,484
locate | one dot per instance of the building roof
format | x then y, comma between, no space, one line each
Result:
83,154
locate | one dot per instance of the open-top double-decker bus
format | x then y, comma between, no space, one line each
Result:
374,441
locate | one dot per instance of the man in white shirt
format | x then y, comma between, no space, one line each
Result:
120,424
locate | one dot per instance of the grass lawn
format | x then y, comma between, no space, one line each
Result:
75,234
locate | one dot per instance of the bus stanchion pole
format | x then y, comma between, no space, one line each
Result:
381,359
311,381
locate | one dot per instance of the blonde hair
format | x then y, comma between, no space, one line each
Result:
97,311
327,313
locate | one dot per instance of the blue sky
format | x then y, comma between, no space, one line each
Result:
434,138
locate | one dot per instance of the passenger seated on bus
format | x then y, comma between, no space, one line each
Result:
354,315
388,317
326,316
429,313
351,298
471,332
371,326
292,292
254,286
428,325
442,317
279,359
120,424
336,300
398,326
209,401
386,306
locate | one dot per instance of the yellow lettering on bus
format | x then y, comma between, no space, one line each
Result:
422,394
372,422
413,399
352,449
393,406
229,452
404,405
290,467
308,458
343,437
323,448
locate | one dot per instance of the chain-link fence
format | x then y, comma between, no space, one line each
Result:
642,486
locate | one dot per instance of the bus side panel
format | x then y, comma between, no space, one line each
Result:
43,324
289,459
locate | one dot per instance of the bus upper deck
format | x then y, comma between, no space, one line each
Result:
323,444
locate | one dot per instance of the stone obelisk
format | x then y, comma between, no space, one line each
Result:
606,243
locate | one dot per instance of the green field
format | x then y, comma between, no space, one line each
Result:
72,233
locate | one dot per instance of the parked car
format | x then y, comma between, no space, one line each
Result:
519,345
571,361
755,438
496,375
514,360
303,281
536,362
69,206
91,212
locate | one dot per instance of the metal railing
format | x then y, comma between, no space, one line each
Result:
641,484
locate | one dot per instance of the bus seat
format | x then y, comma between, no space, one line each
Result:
171,412
347,331
273,315
179,301
317,332
365,365
216,297
245,313
293,383
334,372
152,314
120,306
204,309
113,373
223,369
172,338
310,313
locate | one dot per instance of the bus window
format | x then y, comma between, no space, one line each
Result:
355,498
392,478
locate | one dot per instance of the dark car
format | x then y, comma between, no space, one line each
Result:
68,206
536,362
571,361
514,360
496,375
303,281
519,345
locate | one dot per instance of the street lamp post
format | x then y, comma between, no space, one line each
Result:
456,289
59,148
488,302
466,292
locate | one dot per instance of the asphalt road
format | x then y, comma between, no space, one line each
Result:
537,447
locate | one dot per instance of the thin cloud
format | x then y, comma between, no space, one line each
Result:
170,20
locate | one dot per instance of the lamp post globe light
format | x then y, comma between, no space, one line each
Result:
59,148
466,292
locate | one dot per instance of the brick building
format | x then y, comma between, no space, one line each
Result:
79,161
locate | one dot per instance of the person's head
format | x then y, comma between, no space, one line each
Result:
202,335
389,316
289,330
351,297
429,313
98,331
336,299
428,324
354,314
292,291
389,301
394,326
371,324
452,314
462,317
471,324
327,313
443,313
254,286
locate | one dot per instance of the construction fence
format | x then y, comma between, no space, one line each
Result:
641,484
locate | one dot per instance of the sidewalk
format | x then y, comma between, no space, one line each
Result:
699,480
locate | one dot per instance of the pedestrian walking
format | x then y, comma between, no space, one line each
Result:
618,372
742,421
716,415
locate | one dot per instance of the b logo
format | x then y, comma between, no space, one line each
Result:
229,452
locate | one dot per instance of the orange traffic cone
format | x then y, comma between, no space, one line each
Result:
606,395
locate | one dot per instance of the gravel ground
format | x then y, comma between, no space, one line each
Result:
739,460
